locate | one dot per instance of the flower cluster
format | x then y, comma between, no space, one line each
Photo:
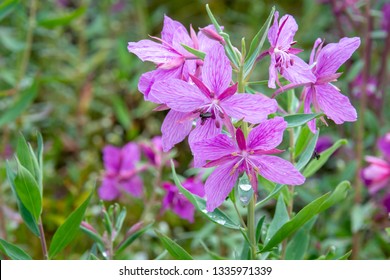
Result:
376,175
208,106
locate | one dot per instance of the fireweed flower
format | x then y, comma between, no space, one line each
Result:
153,151
120,172
178,202
252,156
376,176
210,102
322,94
283,58
172,60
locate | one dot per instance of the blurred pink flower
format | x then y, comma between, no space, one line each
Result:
385,24
323,143
153,150
283,58
178,202
120,172
252,156
376,175
384,145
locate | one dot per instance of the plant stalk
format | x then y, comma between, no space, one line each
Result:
43,240
252,227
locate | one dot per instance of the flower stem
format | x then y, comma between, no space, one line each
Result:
252,227
43,240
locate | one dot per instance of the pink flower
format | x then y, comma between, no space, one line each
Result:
322,94
153,150
376,176
384,145
178,202
252,155
210,101
120,172
283,58
172,60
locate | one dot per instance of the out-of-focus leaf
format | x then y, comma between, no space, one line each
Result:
28,191
217,216
62,20
298,245
308,152
121,112
307,213
7,7
120,219
257,45
131,238
345,256
20,105
316,164
174,249
280,218
12,251
278,188
300,119
213,255
26,215
68,230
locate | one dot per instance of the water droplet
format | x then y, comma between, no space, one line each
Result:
245,187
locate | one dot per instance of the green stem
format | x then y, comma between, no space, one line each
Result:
252,227
43,240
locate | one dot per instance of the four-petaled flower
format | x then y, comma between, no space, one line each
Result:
321,93
283,58
120,172
252,155
210,101
178,202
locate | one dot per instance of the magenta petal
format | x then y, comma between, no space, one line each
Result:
148,79
173,130
299,72
214,148
241,141
133,186
267,135
278,170
253,108
308,95
130,155
184,209
287,29
217,72
219,185
384,144
170,28
332,56
273,30
272,72
206,43
178,95
376,176
112,159
108,189
148,50
335,105
313,51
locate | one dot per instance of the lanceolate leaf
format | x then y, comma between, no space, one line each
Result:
299,243
300,119
62,20
307,213
195,52
7,7
217,216
174,249
68,230
308,152
28,191
26,215
280,218
316,164
12,251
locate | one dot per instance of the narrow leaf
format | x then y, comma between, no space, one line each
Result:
308,152
28,191
195,52
130,239
345,256
300,119
62,20
280,218
259,227
315,164
68,230
174,249
200,204
12,251
7,7
297,247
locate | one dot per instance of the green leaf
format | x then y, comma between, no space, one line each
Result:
40,159
174,249
213,255
28,191
131,238
62,20
7,7
120,219
68,230
307,213
345,256
26,215
300,119
121,111
388,231
93,235
278,188
316,164
259,228
12,251
20,106
304,137
308,152
299,244
217,216
280,218
257,45
195,52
